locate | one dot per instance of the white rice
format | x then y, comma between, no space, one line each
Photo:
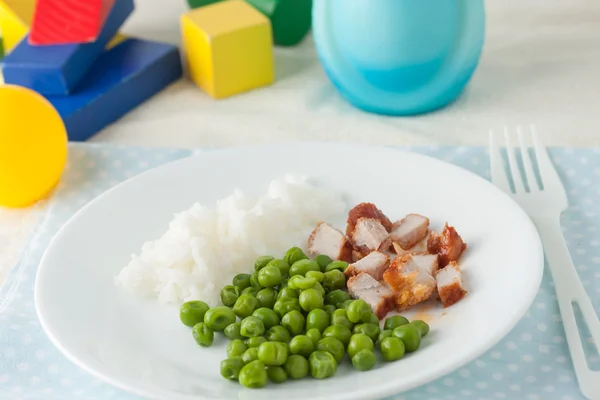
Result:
204,248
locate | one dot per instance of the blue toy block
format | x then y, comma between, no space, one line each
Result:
121,79
57,70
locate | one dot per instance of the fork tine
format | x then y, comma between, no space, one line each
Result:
497,166
548,173
512,163
527,163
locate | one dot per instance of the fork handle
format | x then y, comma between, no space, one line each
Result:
570,291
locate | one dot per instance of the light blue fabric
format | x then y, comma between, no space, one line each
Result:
532,362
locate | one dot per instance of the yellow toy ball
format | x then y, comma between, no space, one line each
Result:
33,146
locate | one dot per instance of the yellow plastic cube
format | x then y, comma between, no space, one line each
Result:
229,48
15,20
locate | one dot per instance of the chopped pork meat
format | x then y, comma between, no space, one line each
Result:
369,235
419,248
366,210
448,245
411,278
379,297
356,256
409,231
449,284
327,240
373,264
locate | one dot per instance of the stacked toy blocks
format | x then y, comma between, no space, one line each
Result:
228,48
15,20
88,72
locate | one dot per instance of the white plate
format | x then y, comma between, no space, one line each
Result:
143,348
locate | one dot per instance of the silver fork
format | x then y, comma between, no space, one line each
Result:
544,205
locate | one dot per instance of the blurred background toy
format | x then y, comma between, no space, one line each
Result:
15,20
290,19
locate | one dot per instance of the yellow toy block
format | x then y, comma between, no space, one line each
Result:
15,20
229,48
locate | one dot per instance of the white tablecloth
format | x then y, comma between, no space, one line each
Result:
541,64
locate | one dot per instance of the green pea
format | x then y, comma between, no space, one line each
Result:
266,297
203,334
320,289
339,317
293,321
278,334
262,262
371,330
341,265
267,316
318,275
286,304
358,311
219,318
269,276
282,265
245,305
232,331
296,366
336,297
345,304
329,309
273,353
250,355
332,345
253,375
317,318
422,325
294,254
392,348
364,360
276,374
249,290
242,281
236,348
284,283
322,364
340,332
192,312
410,335
314,334
288,292
229,295
302,345
301,267
311,299
254,282
386,333
334,280
302,283
372,319
231,368
323,261
394,321
255,341
358,342
252,326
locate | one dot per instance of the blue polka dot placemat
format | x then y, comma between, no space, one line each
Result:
532,362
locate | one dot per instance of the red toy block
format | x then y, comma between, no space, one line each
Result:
57,22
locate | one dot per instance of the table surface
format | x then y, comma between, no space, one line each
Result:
539,65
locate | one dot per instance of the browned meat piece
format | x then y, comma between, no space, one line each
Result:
369,235
366,210
410,230
327,240
356,256
449,284
373,264
411,278
448,245
379,297
419,248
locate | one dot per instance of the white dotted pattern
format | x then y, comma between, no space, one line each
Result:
532,362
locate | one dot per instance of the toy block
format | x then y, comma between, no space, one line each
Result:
229,48
56,70
68,21
200,3
15,19
34,146
121,79
290,19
